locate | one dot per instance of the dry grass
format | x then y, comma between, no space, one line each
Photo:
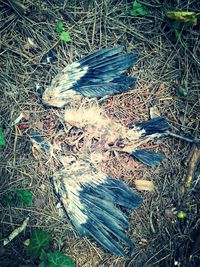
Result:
164,64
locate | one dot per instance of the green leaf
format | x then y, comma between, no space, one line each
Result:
181,215
65,37
184,17
57,259
39,241
24,197
177,34
133,13
138,9
2,140
59,27
42,264
142,11
182,91
43,255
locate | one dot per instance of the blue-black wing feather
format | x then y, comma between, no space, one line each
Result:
97,203
147,157
156,127
104,73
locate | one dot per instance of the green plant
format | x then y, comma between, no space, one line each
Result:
18,197
38,248
2,139
64,35
24,197
181,21
183,17
182,91
138,9
59,27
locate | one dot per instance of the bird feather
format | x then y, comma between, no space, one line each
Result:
90,201
97,75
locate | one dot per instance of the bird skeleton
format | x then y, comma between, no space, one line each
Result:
101,134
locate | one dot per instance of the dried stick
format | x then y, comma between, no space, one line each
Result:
192,165
184,138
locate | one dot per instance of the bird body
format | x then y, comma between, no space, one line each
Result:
100,134
90,198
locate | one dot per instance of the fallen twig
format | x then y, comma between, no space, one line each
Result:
18,7
192,165
16,232
184,138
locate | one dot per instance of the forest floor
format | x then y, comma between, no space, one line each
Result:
167,72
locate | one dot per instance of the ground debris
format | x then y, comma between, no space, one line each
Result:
192,166
166,62
16,232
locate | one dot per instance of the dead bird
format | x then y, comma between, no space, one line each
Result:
88,195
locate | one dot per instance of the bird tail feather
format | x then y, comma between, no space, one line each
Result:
154,128
155,125
147,157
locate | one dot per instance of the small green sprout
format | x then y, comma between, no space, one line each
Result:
59,27
39,241
181,214
64,35
138,9
24,197
2,139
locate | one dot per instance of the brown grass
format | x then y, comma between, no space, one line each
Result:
164,64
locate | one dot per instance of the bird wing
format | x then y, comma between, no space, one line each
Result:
97,75
90,198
